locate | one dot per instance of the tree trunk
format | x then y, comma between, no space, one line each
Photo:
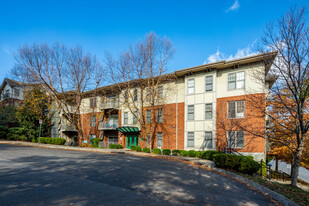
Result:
295,168
277,164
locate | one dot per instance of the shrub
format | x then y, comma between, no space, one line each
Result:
11,136
176,152
248,166
22,138
209,154
192,153
58,141
138,149
115,146
166,151
14,130
42,140
133,147
184,153
238,163
34,140
95,142
3,135
146,150
4,129
156,151
199,154
48,140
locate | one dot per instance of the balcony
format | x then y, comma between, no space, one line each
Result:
68,128
110,103
108,125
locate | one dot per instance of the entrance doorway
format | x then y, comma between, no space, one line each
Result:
132,140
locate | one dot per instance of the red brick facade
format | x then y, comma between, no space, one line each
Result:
252,123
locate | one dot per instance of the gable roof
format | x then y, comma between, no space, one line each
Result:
10,82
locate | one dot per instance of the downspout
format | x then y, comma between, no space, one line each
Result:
177,116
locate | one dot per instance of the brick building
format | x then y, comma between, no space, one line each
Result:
200,105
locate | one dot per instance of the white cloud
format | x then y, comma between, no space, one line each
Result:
234,7
241,53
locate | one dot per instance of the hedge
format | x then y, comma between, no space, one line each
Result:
3,135
95,142
156,151
12,136
138,149
133,147
115,146
176,152
4,129
238,163
146,150
191,153
208,155
184,153
166,151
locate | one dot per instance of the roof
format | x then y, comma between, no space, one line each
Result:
11,82
266,58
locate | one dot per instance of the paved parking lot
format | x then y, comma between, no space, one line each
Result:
38,176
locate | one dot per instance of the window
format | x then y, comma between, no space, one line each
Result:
190,139
135,117
16,92
159,139
208,83
160,92
236,80
208,140
236,139
159,116
190,86
125,96
92,121
135,95
236,109
125,118
208,111
148,116
148,95
93,102
190,112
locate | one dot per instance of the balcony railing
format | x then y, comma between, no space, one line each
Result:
107,125
68,128
110,103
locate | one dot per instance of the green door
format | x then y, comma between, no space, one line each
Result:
132,140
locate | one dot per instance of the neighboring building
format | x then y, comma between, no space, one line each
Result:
199,106
11,93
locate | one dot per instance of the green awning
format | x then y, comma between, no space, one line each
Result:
128,130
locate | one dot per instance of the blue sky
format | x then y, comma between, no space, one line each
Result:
201,30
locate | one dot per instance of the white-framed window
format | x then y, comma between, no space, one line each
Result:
159,139
135,117
190,139
236,139
93,102
92,121
191,86
190,112
236,109
208,86
160,92
135,95
16,92
148,116
208,111
208,140
159,115
236,80
126,118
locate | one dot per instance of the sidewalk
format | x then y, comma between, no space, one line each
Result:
206,163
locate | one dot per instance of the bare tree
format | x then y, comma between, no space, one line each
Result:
64,73
140,72
288,104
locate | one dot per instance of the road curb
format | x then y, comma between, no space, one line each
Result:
209,164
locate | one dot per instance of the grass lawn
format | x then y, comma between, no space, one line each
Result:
297,195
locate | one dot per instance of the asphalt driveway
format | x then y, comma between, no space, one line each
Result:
38,176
